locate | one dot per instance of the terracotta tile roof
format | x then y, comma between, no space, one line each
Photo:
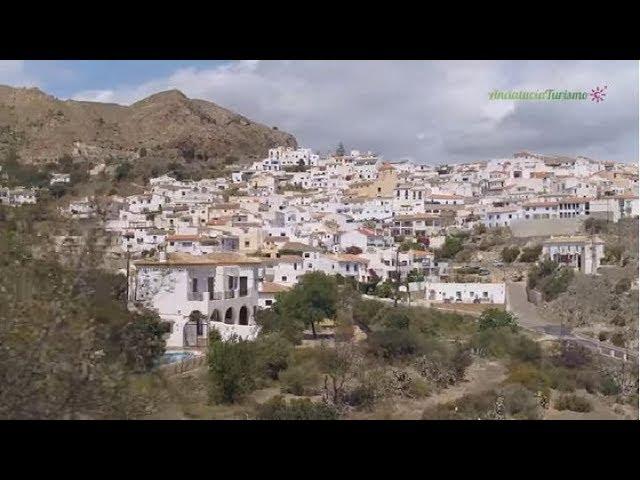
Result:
192,238
347,257
217,258
299,246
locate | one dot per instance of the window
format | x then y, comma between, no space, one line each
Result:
194,285
307,255
485,294
284,278
268,303
246,243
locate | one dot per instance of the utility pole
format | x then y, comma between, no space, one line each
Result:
395,300
126,300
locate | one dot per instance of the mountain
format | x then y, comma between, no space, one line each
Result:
168,124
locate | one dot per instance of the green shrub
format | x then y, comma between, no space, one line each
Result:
608,386
510,254
612,253
452,245
529,376
299,379
232,369
494,342
365,311
618,339
622,285
562,379
523,349
385,289
418,388
572,355
520,402
573,402
497,318
296,409
394,343
273,352
469,407
363,396
557,283
531,254
588,380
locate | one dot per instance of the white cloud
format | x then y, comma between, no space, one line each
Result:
103,96
379,105
13,73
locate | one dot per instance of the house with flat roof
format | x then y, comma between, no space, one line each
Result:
582,253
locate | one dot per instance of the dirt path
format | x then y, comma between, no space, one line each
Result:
481,376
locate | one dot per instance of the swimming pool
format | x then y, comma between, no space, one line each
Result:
174,357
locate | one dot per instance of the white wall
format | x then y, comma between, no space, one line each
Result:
466,292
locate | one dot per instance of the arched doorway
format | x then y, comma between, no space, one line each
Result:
243,317
215,316
228,316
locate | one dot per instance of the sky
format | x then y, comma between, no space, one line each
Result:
428,111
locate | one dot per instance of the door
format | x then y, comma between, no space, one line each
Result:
243,286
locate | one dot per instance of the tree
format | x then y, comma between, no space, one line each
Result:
123,170
415,276
496,318
385,289
69,346
452,245
340,150
142,341
338,364
312,300
531,254
232,369
273,352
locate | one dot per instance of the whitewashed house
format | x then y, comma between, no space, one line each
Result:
223,287
582,253
465,292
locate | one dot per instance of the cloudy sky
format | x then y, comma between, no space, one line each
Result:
429,111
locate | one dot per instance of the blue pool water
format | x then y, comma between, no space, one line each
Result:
173,357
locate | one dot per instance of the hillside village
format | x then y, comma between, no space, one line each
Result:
225,246
213,256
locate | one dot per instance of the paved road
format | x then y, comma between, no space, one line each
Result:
529,318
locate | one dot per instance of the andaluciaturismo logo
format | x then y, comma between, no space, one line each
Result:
595,95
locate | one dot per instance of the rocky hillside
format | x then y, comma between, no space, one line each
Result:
168,124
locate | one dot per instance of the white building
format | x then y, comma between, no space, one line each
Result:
221,286
582,253
465,292
60,178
